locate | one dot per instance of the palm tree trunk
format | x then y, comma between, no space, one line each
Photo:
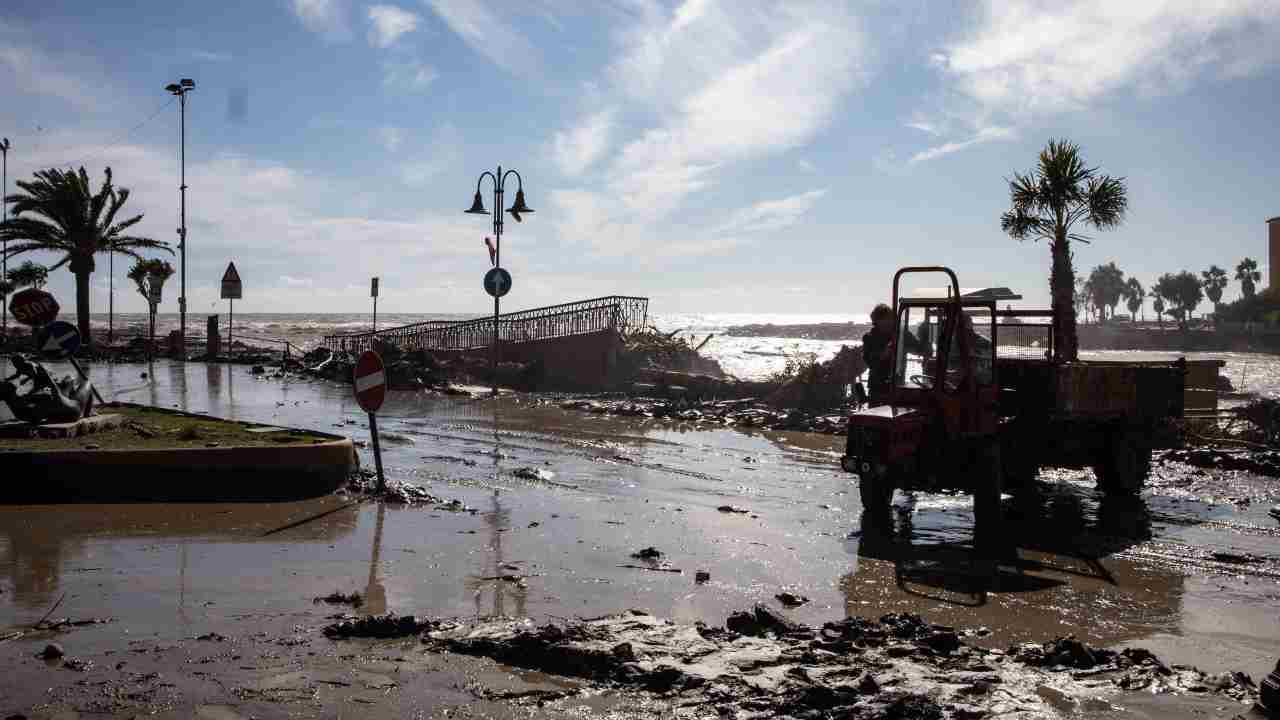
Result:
1061,286
82,307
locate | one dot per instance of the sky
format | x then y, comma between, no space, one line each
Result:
717,156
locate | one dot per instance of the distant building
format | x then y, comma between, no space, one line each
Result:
1273,247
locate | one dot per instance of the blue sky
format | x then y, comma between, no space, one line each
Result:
716,156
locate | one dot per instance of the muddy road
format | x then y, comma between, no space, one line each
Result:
550,507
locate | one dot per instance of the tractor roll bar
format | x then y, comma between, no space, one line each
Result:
955,284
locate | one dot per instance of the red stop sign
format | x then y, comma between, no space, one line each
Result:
370,378
33,307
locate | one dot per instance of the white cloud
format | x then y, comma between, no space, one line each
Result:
390,137
35,73
296,282
389,23
326,17
984,135
806,166
409,75
772,215
442,152
489,34
724,83
1029,56
578,148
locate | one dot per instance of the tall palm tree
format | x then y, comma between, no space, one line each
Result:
58,212
1214,281
1133,297
1047,203
1248,275
1157,304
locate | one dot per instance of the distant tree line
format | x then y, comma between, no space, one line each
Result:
1174,294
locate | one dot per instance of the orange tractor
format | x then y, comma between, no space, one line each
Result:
978,406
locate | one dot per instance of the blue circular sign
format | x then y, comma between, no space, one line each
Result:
58,339
497,282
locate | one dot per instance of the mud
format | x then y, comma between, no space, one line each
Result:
1160,573
760,665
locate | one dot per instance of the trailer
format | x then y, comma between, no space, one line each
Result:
978,405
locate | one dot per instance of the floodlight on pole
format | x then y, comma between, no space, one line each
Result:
180,89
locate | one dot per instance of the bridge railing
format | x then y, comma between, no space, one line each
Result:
617,312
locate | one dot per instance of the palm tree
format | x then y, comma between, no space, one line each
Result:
58,212
29,274
1214,281
1248,275
1046,204
1133,296
1157,304
149,276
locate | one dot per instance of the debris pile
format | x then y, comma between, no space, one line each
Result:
377,626
761,663
1257,462
739,413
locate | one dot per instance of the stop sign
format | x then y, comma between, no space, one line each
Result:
370,378
33,307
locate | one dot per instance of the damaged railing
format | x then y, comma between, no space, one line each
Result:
622,313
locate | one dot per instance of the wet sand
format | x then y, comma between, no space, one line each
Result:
1128,574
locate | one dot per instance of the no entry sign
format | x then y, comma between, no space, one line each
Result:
370,381
34,307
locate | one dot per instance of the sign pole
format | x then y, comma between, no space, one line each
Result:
377,450
370,379
231,324
373,291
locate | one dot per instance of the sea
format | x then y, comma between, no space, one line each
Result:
744,357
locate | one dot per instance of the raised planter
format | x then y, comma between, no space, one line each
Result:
160,469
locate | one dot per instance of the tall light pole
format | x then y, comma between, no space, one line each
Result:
4,200
181,88
477,208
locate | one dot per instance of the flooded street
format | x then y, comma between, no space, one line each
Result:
1191,571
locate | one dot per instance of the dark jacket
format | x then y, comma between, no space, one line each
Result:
879,362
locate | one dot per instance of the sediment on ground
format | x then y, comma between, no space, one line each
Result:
761,665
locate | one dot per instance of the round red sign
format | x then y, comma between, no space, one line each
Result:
370,379
33,307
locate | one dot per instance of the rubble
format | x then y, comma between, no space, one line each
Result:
760,664
736,413
377,626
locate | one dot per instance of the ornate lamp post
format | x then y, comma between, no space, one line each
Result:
181,88
477,208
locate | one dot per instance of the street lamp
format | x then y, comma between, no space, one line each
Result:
181,88
477,208
4,200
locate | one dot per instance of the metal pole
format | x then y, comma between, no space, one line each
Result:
497,262
375,313
182,210
4,273
111,297
377,451
231,324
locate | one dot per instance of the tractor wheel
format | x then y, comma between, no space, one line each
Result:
877,497
988,530
1123,468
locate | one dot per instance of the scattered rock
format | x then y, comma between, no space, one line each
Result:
649,553
732,509
52,651
380,626
701,577
77,665
791,599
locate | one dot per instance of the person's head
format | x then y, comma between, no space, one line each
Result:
882,317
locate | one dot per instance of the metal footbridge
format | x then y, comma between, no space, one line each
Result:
621,313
